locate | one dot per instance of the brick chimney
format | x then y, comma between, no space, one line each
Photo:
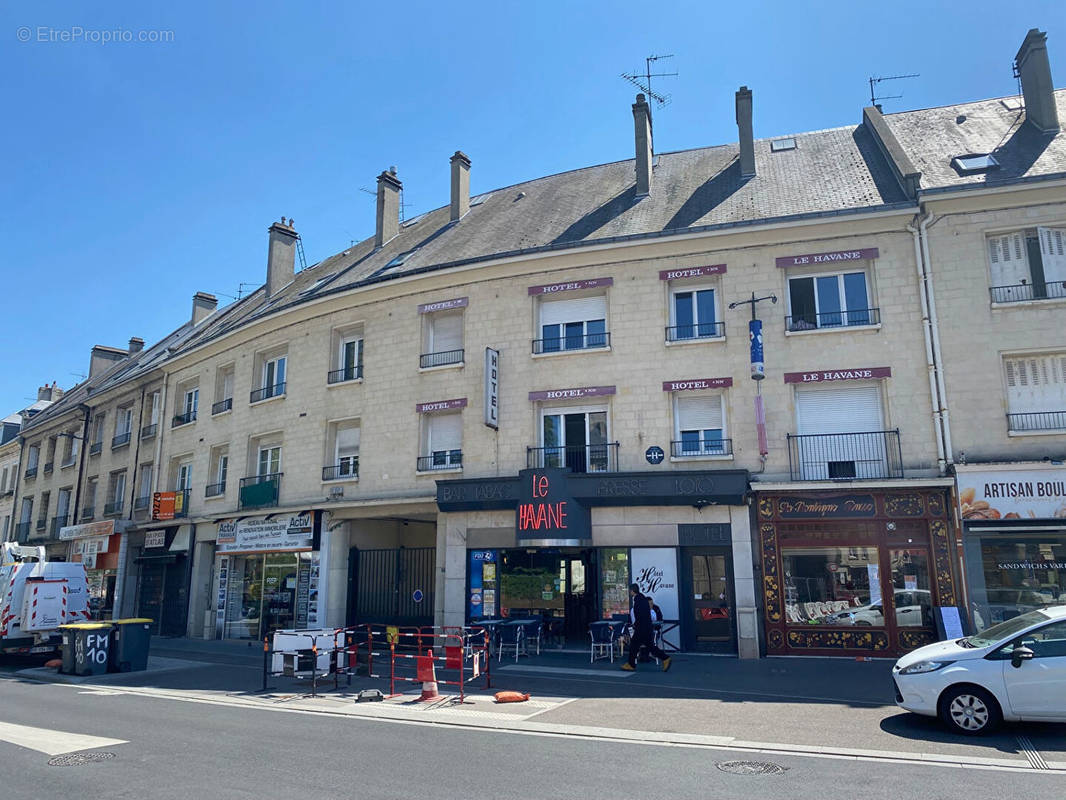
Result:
47,392
136,345
1038,92
388,219
204,305
460,185
744,129
643,144
281,260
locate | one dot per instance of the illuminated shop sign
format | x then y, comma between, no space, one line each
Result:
546,509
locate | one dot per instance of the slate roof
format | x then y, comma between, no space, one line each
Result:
933,136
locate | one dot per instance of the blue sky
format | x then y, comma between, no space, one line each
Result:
137,174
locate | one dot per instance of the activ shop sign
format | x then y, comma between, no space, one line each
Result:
1012,494
284,534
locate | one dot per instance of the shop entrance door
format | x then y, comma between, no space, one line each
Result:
279,592
579,600
558,585
576,440
910,609
707,580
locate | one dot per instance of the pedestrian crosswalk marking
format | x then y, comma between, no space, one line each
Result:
52,742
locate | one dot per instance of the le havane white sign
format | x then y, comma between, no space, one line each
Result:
1012,494
287,534
654,569
492,388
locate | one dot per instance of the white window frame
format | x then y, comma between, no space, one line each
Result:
573,314
275,459
155,407
63,502
183,479
145,487
98,427
446,457
357,366
347,465
1012,279
116,486
26,511
705,448
552,459
844,312
694,289
33,456
1035,384
190,403
274,366
124,420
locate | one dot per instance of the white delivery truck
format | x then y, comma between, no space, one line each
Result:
36,597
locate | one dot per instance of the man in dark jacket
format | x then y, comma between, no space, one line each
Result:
643,632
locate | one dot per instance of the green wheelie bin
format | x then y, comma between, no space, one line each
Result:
129,644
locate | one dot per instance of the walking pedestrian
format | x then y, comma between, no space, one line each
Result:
643,632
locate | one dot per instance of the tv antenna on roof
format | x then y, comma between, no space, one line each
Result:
642,80
873,96
403,204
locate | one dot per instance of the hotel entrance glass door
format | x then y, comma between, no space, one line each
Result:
708,581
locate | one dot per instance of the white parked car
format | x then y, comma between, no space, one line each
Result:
1015,670
913,606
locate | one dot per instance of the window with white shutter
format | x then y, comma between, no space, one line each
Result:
443,339
577,323
841,433
442,441
1009,261
346,456
1036,392
699,426
1053,260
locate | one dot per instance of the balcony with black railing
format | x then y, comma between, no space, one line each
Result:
1026,292
576,458
1036,421
701,448
181,502
41,524
183,419
113,509
142,503
222,406
68,461
867,455
352,373
564,344
58,523
88,513
701,330
833,319
215,489
442,359
31,472
347,469
120,440
260,491
96,448
266,392
440,459
148,431
22,531
49,465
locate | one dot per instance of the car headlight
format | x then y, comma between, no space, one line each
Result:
924,666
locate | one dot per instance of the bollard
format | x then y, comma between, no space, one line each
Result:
314,665
266,664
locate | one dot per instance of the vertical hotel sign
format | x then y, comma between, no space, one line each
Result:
492,388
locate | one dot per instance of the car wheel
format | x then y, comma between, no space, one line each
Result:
862,623
969,710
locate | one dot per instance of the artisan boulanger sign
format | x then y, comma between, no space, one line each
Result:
440,405
691,272
547,510
572,394
1012,493
839,507
443,305
695,384
827,375
571,286
827,258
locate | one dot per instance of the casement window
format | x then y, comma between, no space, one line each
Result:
221,469
577,323
829,301
33,456
269,460
88,508
116,489
1027,265
144,489
70,448
442,339
3,482
42,515
576,438
188,404
699,425
272,378
841,434
155,407
63,505
345,452
1036,392
350,358
693,314
183,480
124,421
26,514
223,389
442,441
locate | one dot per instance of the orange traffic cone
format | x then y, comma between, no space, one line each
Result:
427,673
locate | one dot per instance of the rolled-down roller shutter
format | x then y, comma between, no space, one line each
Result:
578,309
699,413
447,332
840,433
445,432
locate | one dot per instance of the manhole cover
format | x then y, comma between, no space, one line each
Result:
77,759
750,767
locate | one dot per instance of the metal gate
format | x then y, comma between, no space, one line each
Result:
391,586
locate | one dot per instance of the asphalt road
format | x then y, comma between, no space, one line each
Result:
177,749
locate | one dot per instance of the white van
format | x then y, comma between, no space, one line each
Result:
36,597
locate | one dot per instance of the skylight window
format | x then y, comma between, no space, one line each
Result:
317,283
397,261
974,163
778,145
481,198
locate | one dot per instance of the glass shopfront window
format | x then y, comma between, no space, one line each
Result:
911,593
1018,575
614,581
832,586
267,592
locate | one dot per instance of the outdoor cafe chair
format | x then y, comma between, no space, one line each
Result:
605,640
531,633
511,635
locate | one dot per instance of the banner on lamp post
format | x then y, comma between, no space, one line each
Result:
758,371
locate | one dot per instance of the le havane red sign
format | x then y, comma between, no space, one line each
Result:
443,305
441,405
695,384
691,272
827,258
826,375
571,286
572,394
546,509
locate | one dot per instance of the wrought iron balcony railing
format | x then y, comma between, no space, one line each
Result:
441,359
120,440
148,431
833,319
701,330
222,406
352,373
96,448
845,456
215,489
440,459
346,469
1037,421
183,419
1022,292
697,448
578,458
113,508
562,344
57,523
266,392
